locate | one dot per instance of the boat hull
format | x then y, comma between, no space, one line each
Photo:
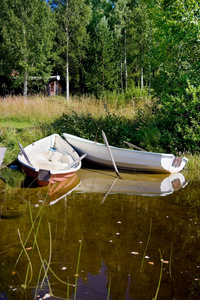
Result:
49,160
53,178
126,159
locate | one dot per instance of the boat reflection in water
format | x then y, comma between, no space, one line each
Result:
105,182
50,194
93,181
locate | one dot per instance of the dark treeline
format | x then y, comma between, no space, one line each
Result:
104,47
100,46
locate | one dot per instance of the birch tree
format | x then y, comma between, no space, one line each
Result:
27,39
72,38
119,22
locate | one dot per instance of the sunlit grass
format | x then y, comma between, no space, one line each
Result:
33,110
192,169
17,112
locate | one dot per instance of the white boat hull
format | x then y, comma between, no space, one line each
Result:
126,159
49,160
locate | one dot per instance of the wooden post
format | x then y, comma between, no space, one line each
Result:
111,156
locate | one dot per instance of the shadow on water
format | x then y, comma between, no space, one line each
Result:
138,238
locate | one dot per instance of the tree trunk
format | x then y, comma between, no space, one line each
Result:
67,78
125,62
142,78
25,84
150,61
122,87
67,52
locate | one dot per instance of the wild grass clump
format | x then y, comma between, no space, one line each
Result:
32,110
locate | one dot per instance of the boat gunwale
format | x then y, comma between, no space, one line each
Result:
120,149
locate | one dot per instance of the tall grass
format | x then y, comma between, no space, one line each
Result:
43,109
34,109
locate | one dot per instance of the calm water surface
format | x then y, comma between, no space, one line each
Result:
136,238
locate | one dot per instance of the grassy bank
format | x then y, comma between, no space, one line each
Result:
28,120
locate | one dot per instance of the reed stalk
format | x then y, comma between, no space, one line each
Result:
31,229
149,235
77,269
44,265
68,288
29,262
160,277
170,262
109,286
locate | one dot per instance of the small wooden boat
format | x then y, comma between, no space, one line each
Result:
49,160
126,159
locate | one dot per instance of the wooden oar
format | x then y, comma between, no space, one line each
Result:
24,153
110,188
111,156
75,162
134,146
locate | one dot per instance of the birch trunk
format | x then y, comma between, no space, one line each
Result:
125,61
25,84
142,78
122,87
67,52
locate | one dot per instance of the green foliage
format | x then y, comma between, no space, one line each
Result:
179,120
117,129
27,39
176,47
12,177
135,94
9,138
100,72
71,39
170,125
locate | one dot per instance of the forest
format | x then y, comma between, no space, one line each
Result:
120,49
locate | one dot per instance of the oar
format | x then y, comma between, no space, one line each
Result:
24,153
134,146
75,162
111,156
110,188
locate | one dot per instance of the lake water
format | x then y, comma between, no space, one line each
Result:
97,237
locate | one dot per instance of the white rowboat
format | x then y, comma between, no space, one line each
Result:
126,159
49,160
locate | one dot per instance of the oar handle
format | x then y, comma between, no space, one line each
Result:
75,162
24,153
